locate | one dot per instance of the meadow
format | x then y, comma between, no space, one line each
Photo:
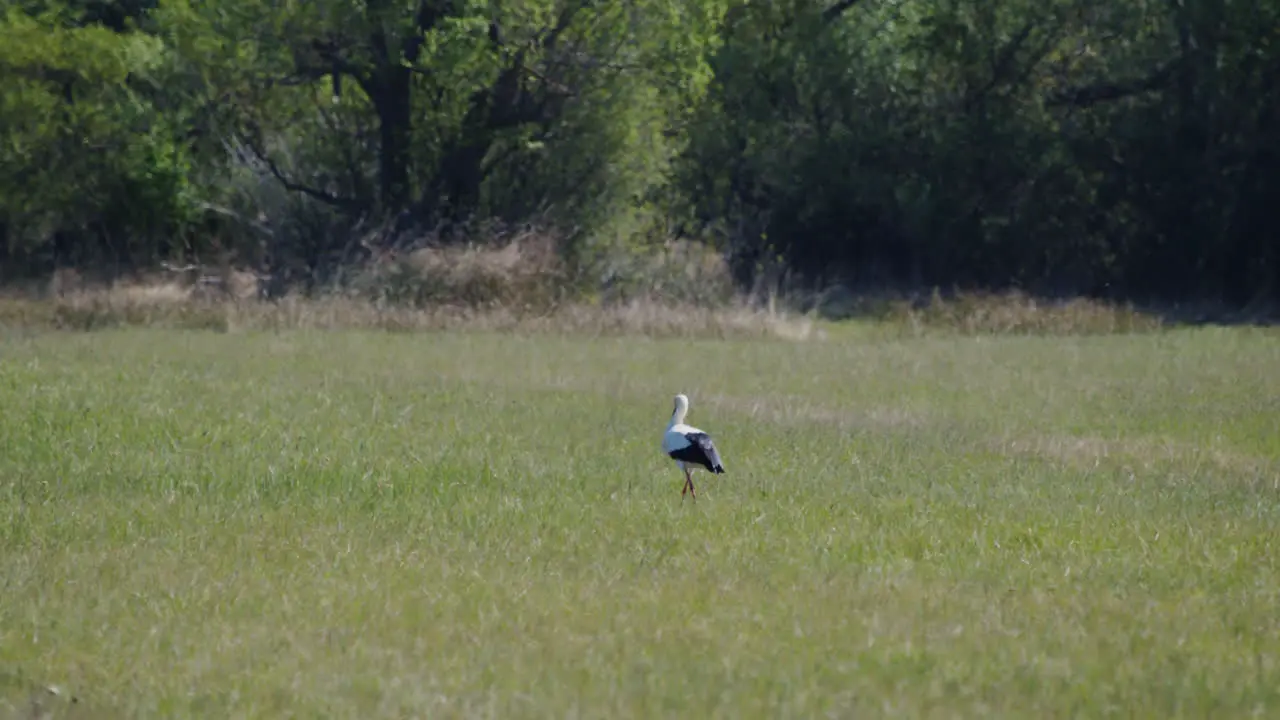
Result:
358,524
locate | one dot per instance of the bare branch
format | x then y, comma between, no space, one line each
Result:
557,87
562,23
332,56
329,60
834,12
334,126
1003,64
227,212
1090,95
492,164
347,204
427,16
38,73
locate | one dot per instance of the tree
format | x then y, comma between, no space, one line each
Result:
86,159
392,106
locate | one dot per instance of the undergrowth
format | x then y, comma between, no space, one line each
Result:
523,284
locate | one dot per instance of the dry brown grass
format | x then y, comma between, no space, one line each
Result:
523,270
1013,313
174,305
518,283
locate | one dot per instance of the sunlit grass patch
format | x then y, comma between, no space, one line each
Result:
364,524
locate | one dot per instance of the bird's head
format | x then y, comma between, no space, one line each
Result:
681,407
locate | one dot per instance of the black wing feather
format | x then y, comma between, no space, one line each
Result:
701,451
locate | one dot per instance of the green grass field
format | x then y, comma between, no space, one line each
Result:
364,524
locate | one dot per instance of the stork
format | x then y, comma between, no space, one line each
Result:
690,447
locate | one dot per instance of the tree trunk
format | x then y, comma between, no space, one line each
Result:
461,174
393,103
456,187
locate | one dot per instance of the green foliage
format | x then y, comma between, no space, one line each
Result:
86,151
549,109
1062,146
1065,146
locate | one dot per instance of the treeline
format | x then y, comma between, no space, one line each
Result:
1060,146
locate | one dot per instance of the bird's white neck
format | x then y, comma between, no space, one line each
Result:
677,416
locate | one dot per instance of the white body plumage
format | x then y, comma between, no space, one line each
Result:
690,447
